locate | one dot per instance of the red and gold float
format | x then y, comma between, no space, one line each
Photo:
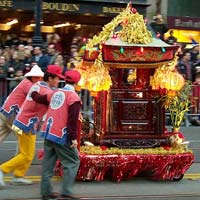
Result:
133,79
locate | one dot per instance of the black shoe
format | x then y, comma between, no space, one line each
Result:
50,196
65,197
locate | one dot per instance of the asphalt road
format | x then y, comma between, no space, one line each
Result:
132,189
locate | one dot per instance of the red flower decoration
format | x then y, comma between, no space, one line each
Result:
103,148
133,10
167,148
181,135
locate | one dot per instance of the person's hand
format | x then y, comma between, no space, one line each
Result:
80,117
74,144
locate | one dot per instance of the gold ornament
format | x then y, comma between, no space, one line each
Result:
133,29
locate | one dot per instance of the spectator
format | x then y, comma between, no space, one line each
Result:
14,65
194,52
60,61
52,53
196,98
181,49
3,67
40,58
196,69
27,56
3,75
21,52
159,27
7,52
171,39
184,66
57,43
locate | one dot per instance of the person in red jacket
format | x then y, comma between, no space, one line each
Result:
16,98
61,137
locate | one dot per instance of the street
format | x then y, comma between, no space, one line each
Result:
133,189
137,188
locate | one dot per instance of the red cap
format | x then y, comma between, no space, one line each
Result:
56,70
72,76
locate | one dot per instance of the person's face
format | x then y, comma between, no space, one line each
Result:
37,51
15,55
51,49
59,58
54,82
187,56
196,49
2,60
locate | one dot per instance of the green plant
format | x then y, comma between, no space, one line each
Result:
178,104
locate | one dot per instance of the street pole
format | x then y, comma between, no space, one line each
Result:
37,38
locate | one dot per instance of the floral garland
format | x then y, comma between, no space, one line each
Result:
101,150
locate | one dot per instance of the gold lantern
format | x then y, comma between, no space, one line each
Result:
98,78
173,81
83,70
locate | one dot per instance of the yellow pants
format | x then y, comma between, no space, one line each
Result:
20,163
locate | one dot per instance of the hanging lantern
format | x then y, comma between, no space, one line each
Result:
98,78
166,78
83,70
173,81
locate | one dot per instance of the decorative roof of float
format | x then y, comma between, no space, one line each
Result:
129,26
125,42
126,39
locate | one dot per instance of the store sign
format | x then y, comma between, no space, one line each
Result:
80,8
112,10
60,7
6,4
187,23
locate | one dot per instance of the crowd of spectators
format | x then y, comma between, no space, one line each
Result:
18,56
189,63
189,66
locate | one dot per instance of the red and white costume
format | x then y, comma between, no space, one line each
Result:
31,112
55,125
14,101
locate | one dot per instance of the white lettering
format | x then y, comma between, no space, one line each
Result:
188,24
6,4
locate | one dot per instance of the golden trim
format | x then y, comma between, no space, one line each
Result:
129,65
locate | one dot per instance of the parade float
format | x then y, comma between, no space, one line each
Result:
132,78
